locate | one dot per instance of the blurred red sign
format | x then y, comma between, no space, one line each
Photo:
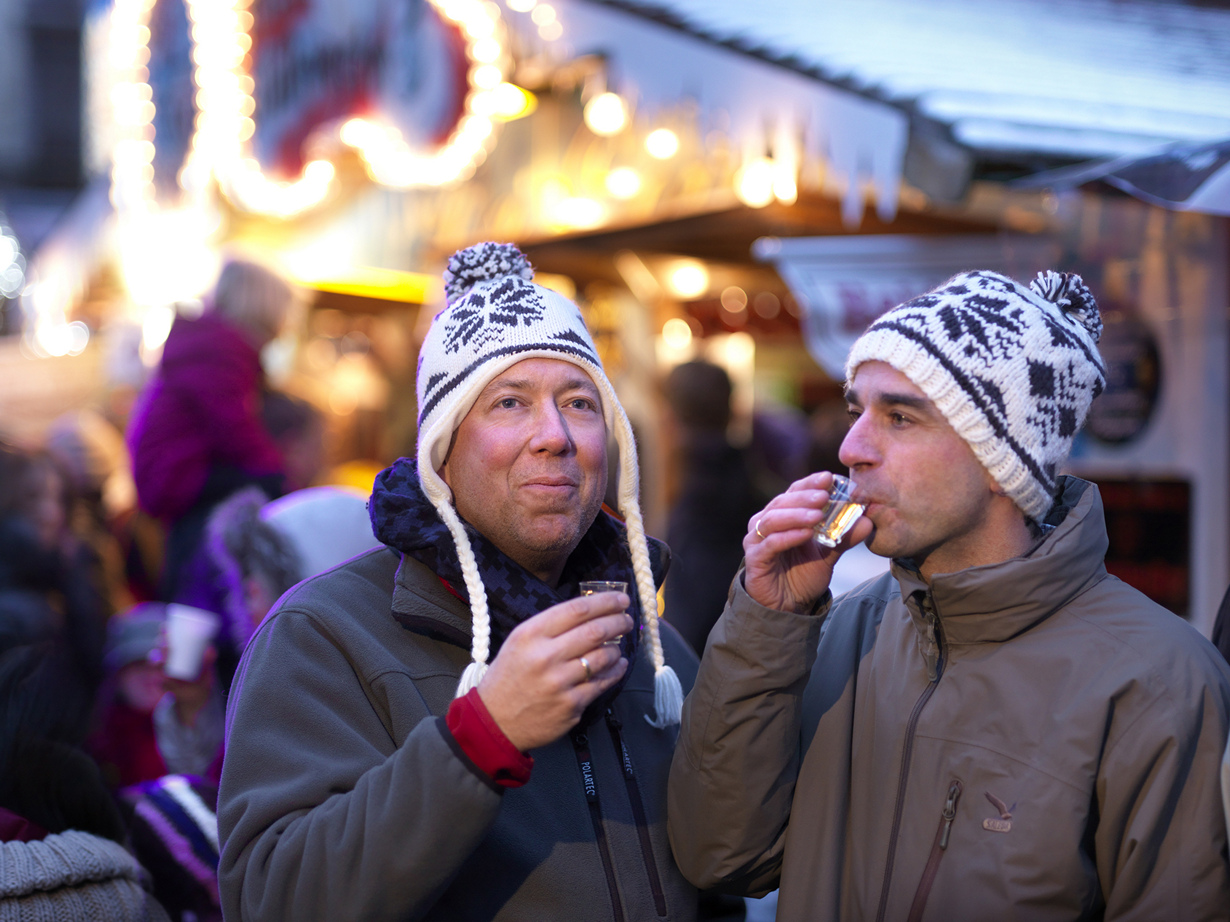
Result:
317,63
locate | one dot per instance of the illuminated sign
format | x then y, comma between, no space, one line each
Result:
280,87
317,64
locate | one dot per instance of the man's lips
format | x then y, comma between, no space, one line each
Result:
869,504
551,482
551,486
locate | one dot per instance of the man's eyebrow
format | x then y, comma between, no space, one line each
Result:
517,384
889,399
904,400
580,382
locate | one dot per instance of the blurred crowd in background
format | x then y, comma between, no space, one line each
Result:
209,502
206,505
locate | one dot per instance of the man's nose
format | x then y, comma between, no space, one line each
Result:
551,431
856,448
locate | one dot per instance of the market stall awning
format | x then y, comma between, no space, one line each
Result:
763,107
1046,78
1183,178
842,284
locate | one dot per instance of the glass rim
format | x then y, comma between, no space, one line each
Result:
603,585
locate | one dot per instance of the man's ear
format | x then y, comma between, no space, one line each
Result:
442,470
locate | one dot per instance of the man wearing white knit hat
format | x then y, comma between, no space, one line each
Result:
997,728
447,727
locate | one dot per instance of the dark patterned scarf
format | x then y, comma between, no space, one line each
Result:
403,518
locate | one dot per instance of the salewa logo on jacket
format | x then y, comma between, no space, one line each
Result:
1004,822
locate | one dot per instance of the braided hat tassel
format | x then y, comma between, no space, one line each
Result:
667,689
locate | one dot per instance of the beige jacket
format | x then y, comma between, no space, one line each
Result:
1030,740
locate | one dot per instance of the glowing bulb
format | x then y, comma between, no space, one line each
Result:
543,13
688,279
486,77
509,101
606,114
662,143
734,300
754,182
359,132
521,6
677,334
623,183
78,336
785,188
319,171
55,338
581,213
486,50
740,351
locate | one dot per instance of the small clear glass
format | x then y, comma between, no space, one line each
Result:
590,586
840,514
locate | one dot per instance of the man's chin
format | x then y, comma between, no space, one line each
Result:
880,544
553,533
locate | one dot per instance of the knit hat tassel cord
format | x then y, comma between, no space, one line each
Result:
667,689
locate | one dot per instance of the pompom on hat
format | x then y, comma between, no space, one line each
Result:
496,317
1013,369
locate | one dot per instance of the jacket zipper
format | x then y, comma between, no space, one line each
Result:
938,847
580,744
638,814
907,753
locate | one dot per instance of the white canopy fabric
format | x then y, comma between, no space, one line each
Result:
763,106
1071,80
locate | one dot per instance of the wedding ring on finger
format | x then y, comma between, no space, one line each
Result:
589,674
756,528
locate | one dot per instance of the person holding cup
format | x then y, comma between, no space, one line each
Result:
995,728
448,727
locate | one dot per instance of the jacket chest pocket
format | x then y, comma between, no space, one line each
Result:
403,703
985,832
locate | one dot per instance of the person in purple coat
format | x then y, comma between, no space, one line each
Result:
196,434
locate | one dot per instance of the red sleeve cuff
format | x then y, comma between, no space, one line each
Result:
481,738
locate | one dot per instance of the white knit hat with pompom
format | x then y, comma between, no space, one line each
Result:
1013,368
496,317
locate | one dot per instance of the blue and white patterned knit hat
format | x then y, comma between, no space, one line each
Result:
496,317
1013,369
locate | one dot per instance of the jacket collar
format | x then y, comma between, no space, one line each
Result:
422,602
994,603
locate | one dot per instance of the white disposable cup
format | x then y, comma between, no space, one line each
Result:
189,631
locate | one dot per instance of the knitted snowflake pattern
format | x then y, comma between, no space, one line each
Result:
1013,369
495,312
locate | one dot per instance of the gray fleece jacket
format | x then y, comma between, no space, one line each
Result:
345,796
